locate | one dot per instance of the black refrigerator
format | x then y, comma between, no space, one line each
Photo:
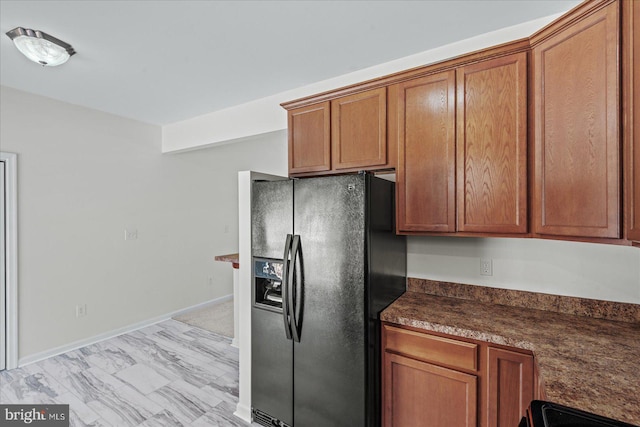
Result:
326,262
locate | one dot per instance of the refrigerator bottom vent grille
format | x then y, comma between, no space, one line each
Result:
266,420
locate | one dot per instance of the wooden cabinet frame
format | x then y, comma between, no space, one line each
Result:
631,116
494,375
342,135
462,149
577,140
309,139
425,135
359,130
491,145
510,386
457,409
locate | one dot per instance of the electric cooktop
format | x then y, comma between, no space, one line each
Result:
547,414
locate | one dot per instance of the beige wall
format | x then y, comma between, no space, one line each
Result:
83,177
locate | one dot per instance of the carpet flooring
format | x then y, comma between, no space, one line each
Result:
216,318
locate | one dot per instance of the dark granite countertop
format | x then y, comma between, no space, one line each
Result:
587,363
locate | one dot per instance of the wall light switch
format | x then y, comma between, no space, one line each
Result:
130,234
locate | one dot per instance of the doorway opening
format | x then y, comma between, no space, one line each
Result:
8,261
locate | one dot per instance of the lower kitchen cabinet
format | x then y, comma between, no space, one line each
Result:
510,386
433,380
422,394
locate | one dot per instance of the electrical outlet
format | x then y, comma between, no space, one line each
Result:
486,267
81,310
131,234
210,281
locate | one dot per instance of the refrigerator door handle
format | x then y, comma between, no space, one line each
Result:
285,287
295,288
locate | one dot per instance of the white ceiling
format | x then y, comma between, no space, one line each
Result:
165,61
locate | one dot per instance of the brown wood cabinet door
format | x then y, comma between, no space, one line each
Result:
577,154
425,176
309,139
418,394
510,381
492,145
359,130
631,96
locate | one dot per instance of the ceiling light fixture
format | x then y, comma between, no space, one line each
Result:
41,47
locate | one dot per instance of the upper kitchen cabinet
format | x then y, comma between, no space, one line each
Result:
340,134
532,138
480,135
359,130
424,125
492,145
309,139
631,106
576,125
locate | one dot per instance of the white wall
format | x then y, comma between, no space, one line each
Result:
84,176
588,270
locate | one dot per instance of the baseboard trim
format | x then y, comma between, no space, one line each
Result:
243,412
27,360
205,304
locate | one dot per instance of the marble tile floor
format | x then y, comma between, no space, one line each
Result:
168,374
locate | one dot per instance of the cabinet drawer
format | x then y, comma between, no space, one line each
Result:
431,348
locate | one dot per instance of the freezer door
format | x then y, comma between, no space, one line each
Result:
329,360
272,352
271,366
271,217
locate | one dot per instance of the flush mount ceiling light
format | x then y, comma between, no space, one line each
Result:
41,47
